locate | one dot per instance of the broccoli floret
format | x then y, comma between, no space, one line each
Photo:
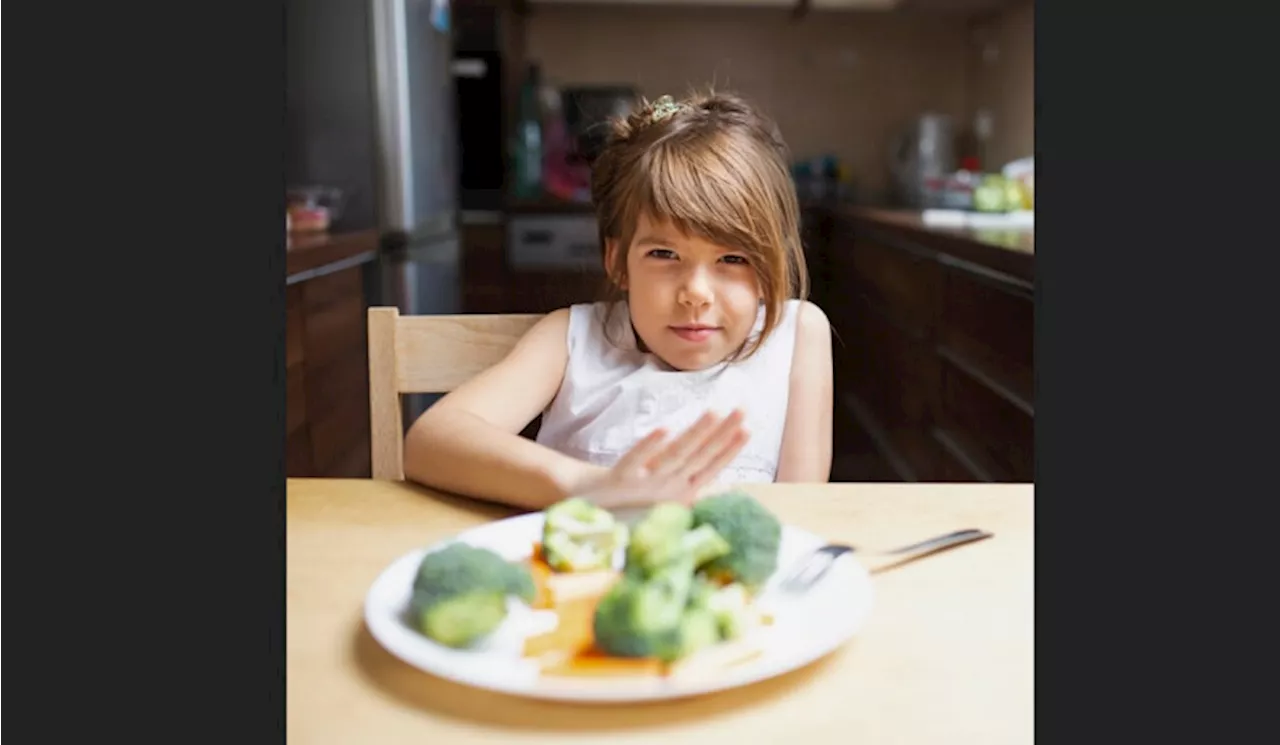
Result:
635,619
460,620
656,540
578,536
661,617
667,615
520,583
729,605
704,543
702,593
698,629
642,616
754,535
670,601
460,593
665,535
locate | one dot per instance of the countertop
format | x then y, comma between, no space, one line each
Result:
1023,241
309,253
1007,250
947,655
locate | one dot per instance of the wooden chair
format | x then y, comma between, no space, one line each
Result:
426,354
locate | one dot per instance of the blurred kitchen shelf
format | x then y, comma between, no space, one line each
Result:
1021,220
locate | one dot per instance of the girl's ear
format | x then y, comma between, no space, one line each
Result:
610,266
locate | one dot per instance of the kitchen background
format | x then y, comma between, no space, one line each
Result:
437,162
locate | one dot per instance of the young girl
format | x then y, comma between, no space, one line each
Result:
699,226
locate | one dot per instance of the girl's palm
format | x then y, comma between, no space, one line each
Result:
659,469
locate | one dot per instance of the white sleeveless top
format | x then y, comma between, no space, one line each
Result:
612,396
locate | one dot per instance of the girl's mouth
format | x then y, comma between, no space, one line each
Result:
694,332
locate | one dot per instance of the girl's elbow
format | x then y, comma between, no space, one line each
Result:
418,449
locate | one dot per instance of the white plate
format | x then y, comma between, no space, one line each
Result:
805,628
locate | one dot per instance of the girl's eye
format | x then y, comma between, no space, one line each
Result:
736,259
662,253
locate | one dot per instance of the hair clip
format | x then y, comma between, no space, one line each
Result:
663,108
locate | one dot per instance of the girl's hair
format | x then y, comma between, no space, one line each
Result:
712,166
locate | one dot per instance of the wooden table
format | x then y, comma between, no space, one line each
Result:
946,657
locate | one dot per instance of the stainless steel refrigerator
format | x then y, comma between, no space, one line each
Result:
370,109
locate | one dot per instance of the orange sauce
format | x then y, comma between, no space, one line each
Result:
591,662
541,572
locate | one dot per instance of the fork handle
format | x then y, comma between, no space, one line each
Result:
939,543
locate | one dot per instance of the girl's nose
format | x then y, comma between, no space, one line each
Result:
695,290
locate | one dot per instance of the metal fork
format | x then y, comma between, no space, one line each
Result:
813,567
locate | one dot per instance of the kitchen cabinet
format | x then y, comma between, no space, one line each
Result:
326,357
933,342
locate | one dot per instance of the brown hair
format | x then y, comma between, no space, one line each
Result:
714,167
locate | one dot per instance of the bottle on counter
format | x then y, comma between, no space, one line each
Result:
528,146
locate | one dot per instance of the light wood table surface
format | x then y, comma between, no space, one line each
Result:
945,658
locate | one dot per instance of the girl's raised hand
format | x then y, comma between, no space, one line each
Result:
661,469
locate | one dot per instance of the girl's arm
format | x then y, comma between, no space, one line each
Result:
806,438
469,442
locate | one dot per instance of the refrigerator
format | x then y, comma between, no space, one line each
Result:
370,109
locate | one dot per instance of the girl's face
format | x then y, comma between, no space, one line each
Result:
692,302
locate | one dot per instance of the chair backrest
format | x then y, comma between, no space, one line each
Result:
426,354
